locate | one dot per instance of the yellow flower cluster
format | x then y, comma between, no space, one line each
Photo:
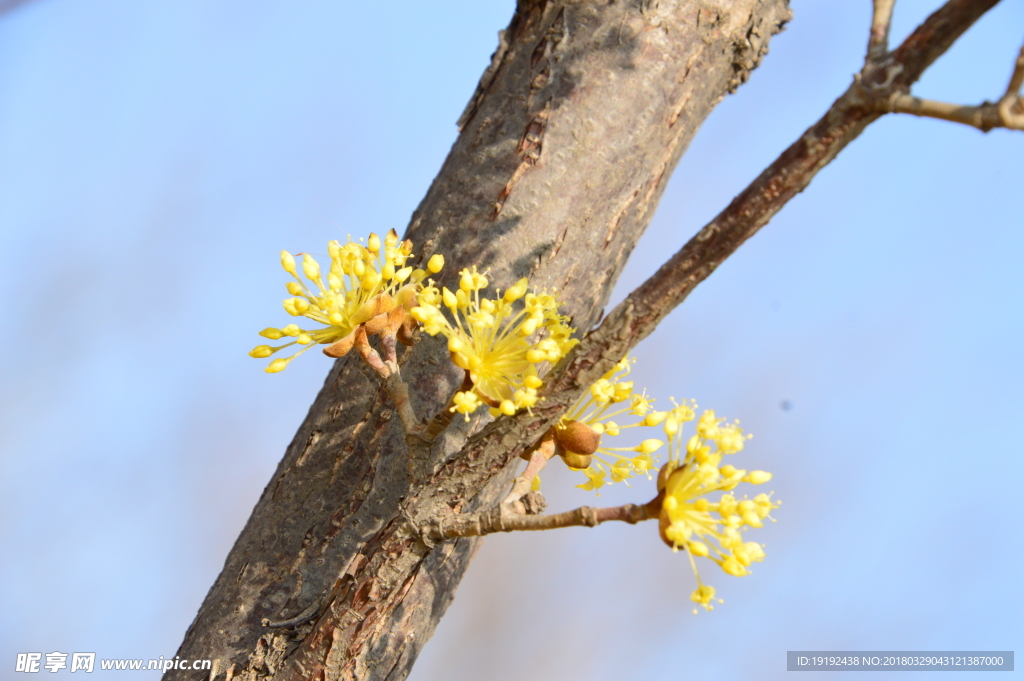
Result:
580,431
368,290
686,521
693,471
498,342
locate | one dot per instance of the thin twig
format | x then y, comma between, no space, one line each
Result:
494,520
538,459
984,117
387,369
1008,112
881,20
398,391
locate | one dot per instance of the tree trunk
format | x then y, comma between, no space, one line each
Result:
564,152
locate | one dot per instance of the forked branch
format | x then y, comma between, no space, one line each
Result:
863,103
1008,112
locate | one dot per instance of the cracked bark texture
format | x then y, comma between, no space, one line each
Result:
564,152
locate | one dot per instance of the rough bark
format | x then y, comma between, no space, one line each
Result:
564,152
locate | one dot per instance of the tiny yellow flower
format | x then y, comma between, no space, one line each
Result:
595,478
465,403
702,596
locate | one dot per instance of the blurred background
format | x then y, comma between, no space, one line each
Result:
155,157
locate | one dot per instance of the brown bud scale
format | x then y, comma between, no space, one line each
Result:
578,437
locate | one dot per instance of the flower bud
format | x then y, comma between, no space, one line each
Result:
698,548
655,418
277,365
516,292
733,567
436,263
578,437
288,263
535,356
310,267
648,446
370,280
296,306
755,477
261,351
271,333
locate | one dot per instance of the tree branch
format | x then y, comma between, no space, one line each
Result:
495,520
1008,112
881,19
984,117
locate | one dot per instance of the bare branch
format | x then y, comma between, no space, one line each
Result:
984,117
1008,112
494,520
881,19
935,35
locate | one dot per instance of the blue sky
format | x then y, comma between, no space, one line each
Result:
155,157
